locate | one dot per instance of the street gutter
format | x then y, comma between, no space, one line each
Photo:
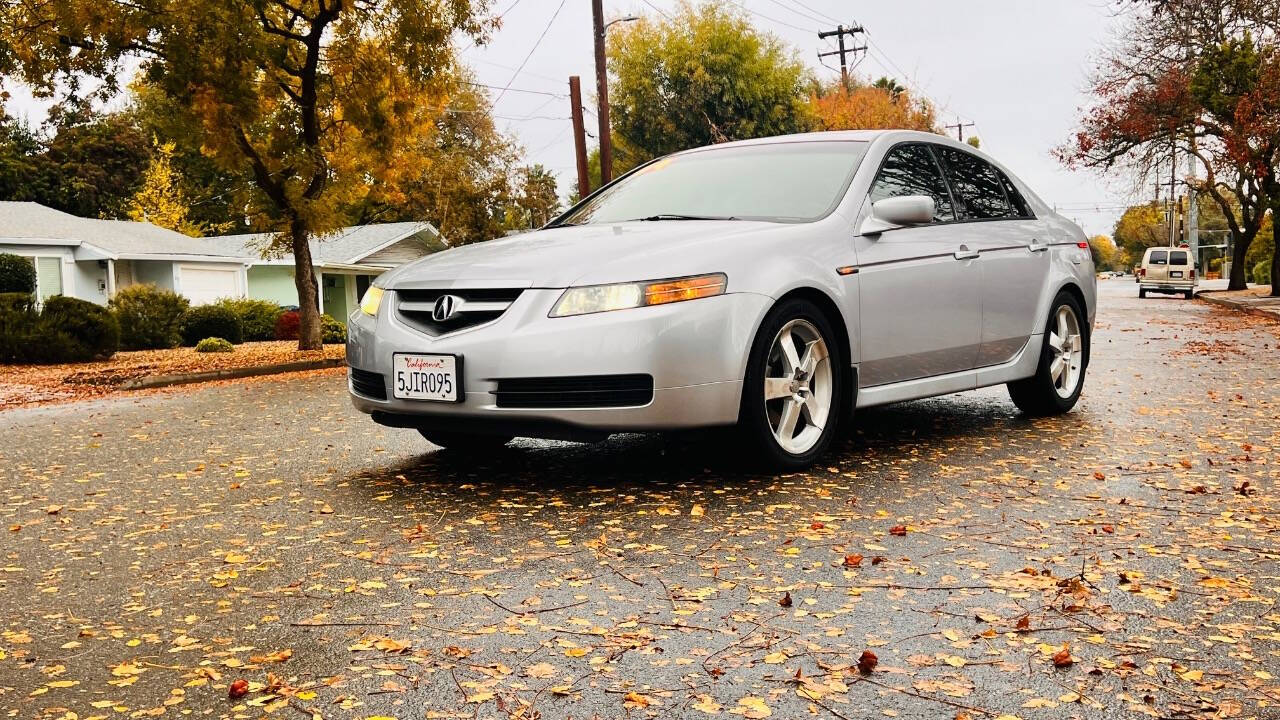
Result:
1267,307
155,381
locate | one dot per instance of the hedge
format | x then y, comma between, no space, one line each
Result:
332,330
1262,273
257,317
210,321
287,325
17,274
64,330
150,317
214,344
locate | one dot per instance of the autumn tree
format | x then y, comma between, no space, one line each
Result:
463,179
881,105
160,200
314,100
536,199
705,75
1201,77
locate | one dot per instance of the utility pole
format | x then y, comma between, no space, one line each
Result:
579,136
1173,189
1193,210
959,126
602,95
843,52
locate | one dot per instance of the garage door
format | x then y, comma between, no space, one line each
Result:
204,285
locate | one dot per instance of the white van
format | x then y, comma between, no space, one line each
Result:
1167,270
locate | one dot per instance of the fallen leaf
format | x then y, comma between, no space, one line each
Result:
867,662
238,689
1062,658
898,530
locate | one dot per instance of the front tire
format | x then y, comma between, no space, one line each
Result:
1142,293
793,389
465,442
1064,356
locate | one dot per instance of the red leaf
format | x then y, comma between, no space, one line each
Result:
1062,658
867,662
898,530
238,689
786,600
853,561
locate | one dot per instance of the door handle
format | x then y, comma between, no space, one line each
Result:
1037,246
964,253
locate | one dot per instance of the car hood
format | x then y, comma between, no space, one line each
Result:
584,254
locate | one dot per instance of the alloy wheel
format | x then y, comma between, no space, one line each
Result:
1067,348
798,386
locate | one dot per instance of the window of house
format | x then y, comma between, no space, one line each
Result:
912,170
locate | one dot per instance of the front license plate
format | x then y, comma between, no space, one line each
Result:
1175,273
427,377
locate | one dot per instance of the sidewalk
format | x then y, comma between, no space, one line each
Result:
1255,300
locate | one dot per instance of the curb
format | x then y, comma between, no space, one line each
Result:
1207,296
155,381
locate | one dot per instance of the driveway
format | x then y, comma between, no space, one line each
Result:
1119,560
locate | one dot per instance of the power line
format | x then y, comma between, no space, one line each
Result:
827,18
801,13
516,90
660,11
532,50
771,19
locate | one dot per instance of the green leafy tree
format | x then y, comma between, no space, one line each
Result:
314,101
536,201
705,75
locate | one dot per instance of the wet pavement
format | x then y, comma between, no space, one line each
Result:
1117,561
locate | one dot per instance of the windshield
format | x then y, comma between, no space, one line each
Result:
781,182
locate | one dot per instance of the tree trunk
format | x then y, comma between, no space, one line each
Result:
1275,254
1238,270
304,279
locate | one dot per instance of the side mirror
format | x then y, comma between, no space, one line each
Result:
896,212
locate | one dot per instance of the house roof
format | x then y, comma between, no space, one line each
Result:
35,224
345,247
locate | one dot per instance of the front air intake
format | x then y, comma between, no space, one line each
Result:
583,391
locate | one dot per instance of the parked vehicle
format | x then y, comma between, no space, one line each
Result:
771,284
1167,270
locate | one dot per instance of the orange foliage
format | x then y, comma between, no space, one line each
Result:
871,108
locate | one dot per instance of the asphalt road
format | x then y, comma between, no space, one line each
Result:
155,549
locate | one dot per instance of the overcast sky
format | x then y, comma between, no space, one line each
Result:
1015,68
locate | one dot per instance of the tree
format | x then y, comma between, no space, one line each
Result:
705,75
1106,255
869,107
314,100
1141,227
1192,75
19,149
464,177
536,201
890,86
160,200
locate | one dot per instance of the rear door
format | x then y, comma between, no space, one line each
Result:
998,222
1179,267
919,288
1158,266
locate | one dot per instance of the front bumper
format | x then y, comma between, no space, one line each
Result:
696,352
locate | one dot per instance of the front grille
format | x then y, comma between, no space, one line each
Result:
471,308
368,384
584,391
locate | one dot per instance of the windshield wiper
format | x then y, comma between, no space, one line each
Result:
678,216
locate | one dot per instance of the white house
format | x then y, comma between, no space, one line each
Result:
91,259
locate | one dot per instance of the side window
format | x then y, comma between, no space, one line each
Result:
977,186
1018,202
1159,257
912,170
1177,258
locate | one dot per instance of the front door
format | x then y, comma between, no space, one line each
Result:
335,296
919,287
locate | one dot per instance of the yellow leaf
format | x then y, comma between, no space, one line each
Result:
775,658
64,683
954,661
1214,582
697,511
707,705
752,707
1192,675
540,670
234,558
1040,703
635,699
480,697
577,651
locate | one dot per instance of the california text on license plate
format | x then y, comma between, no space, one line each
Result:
426,377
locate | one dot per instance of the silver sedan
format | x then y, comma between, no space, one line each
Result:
774,285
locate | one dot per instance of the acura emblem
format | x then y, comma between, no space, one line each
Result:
445,308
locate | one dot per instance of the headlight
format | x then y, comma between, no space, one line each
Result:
371,300
620,296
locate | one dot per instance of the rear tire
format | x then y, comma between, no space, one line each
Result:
1190,294
465,442
792,395
1142,292
1064,356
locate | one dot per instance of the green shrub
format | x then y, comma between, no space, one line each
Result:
17,326
150,317
75,330
210,321
257,317
17,274
331,330
1262,273
214,344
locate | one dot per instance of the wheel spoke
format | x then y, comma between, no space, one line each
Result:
1055,341
1063,330
789,355
786,431
814,353
775,388
1056,368
813,412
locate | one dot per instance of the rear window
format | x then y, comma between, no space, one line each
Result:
1177,258
1159,257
